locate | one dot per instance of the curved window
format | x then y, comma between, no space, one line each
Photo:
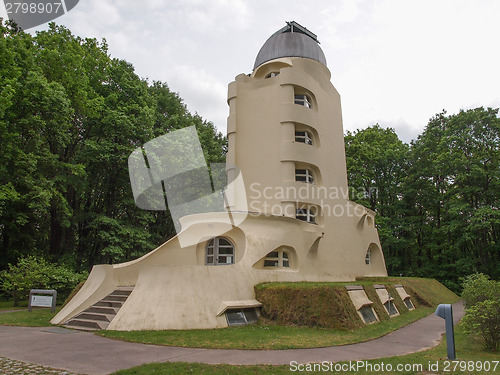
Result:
272,74
277,258
304,175
306,214
368,256
304,137
304,100
220,251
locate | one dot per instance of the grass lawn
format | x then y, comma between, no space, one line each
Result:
9,305
36,318
467,350
266,336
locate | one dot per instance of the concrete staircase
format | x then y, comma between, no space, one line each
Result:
99,315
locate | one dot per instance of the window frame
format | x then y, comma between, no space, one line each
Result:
368,317
303,100
212,251
272,75
368,257
305,138
409,304
390,308
282,257
246,315
306,174
309,214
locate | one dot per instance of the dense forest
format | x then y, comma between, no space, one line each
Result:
70,115
438,198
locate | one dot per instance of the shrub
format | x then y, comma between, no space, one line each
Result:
36,273
484,319
482,313
478,287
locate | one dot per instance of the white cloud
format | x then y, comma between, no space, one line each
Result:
394,62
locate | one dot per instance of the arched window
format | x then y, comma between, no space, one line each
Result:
278,258
302,99
303,137
220,251
368,256
304,175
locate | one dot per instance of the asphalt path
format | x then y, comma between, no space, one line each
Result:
85,353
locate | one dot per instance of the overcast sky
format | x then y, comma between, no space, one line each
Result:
394,62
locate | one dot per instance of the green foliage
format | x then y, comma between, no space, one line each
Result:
478,288
484,319
70,116
36,273
438,200
482,314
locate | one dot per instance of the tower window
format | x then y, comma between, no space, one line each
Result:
277,258
303,137
220,251
368,256
303,100
272,74
304,175
306,214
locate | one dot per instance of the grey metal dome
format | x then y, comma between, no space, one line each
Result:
293,40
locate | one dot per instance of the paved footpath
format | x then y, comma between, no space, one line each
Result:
85,353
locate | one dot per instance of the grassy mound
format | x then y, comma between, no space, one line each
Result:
328,305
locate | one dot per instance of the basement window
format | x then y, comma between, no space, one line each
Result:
408,303
277,258
241,317
304,175
220,251
391,308
303,137
368,314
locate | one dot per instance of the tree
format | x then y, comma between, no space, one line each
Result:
482,313
376,167
36,273
70,116
452,194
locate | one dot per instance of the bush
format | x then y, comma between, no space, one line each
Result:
484,319
482,308
36,273
478,288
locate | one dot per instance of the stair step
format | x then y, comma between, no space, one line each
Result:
102,303
86,323
100,315
115,298
94,316
102,310
122,292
